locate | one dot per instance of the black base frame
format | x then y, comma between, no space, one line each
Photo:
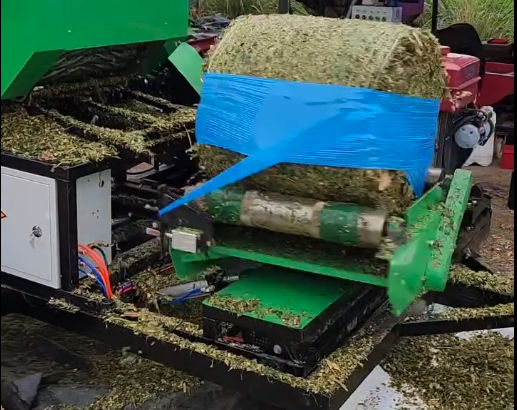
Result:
300,350
87,320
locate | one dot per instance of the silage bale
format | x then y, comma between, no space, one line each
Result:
379,56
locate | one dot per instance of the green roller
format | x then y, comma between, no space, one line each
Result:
341,223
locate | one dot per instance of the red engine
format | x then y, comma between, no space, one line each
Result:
463,80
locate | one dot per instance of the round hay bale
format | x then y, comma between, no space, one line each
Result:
379,56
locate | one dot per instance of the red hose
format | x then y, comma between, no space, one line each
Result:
103,269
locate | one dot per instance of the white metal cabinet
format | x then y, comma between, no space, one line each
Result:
30,243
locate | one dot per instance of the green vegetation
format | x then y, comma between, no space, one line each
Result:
236,8
492,18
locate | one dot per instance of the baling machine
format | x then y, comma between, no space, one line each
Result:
311,272
279,281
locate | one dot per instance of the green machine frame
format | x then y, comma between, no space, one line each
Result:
421,264
36,33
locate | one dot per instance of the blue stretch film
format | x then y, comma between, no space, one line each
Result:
276,121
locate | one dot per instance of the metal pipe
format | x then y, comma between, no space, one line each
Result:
285,7
436,12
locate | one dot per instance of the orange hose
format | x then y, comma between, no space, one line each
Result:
103,269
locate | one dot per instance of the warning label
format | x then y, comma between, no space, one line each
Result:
4,215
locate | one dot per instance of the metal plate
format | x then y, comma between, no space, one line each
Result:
30,247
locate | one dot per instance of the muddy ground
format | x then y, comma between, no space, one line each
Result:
499,249
78,371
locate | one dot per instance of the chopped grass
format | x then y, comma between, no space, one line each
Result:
461,275
131,380
36,137
450,373
398,59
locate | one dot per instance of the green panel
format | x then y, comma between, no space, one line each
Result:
423,205
98,23
298,253
34,32
190,64
189,269
407,278
424,262
340,223
20,83
449,230
356,276
408,269
283,294
30,29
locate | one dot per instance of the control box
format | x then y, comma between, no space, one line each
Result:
374,13
31,222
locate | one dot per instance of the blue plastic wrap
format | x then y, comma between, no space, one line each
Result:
276,121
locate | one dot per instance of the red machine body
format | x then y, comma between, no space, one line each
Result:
464,80
498,83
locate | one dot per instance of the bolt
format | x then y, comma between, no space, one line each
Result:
277,349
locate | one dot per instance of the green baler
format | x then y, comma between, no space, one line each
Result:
55,41
310,268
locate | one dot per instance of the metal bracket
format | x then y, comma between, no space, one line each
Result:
187,216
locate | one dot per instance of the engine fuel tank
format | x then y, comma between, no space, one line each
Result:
463,80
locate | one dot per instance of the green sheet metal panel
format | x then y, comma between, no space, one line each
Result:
449,230
190,64
289,293
36,32
99,23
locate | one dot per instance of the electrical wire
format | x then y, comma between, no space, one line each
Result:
186,296
102,267
126,288
96,274
101,251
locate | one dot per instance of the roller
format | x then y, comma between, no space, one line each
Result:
345,224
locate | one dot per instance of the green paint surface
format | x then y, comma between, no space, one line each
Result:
340,223
284,295
36,32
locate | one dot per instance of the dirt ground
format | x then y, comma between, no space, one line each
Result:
499,249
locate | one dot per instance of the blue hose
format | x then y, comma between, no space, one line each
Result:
186,296
98,276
